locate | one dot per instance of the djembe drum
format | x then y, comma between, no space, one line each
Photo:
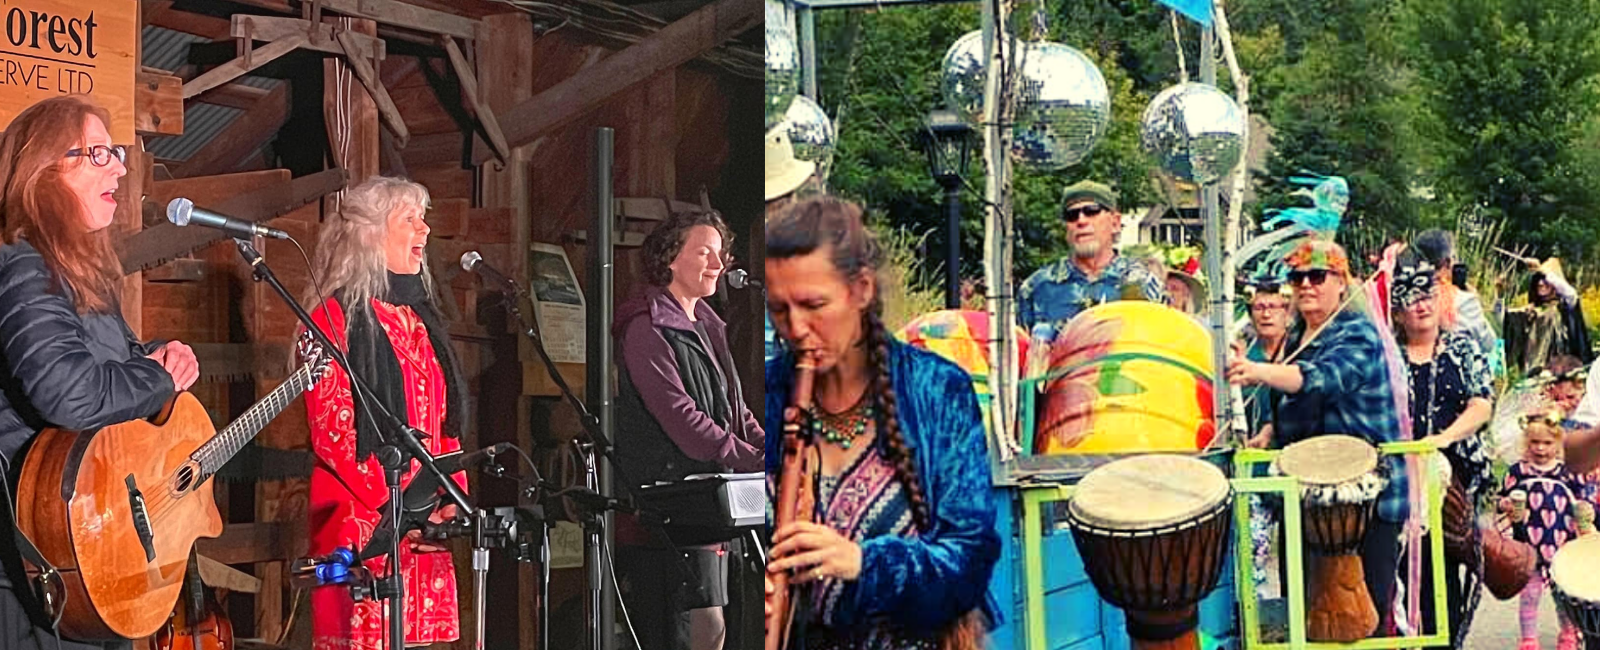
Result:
1576,587
1340,482
1153,532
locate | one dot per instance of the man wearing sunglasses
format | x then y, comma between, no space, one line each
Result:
1095,273
1337,382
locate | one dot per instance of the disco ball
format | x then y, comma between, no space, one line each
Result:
783,62
964,77
811,133
1063,107
1195,132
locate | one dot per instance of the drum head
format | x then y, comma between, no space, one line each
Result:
1328,460
1145,492
1573,568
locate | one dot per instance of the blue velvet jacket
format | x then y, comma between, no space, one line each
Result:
924,582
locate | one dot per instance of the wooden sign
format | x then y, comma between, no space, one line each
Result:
57,47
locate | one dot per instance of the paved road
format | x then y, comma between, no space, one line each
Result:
1495,627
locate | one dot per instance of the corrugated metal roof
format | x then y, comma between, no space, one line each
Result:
168,50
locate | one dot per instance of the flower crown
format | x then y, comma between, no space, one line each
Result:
1319,254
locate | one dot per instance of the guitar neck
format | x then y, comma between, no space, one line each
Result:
213,454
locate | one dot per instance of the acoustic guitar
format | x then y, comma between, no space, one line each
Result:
116,511
198,623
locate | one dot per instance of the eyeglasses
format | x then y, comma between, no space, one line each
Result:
101,155
1092,210
1263,310
1316,276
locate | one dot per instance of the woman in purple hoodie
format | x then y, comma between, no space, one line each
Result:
680,411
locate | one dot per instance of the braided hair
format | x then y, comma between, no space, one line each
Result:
838,229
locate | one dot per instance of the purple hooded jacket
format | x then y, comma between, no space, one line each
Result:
691,395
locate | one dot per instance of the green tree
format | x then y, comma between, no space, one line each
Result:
879,76
1509,87
1333,84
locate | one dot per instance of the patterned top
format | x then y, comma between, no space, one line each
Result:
346,496
865,500
1550,494
1059,291
1345,390
1458,373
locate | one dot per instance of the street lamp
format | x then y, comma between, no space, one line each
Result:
948,142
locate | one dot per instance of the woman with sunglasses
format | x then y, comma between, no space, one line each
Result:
1448,380
1335,380
71,361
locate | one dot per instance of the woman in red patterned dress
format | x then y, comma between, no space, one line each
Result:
372,260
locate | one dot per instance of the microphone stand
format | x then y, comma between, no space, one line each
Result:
400,442
597,443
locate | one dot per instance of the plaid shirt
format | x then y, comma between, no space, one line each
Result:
1346,390
1057,292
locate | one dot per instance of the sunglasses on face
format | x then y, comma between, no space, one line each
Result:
1316,276
101,155
1092,210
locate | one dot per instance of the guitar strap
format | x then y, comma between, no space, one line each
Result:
39,587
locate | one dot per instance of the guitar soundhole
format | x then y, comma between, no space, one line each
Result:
185,479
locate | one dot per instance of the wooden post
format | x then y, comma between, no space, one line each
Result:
351,113
505,74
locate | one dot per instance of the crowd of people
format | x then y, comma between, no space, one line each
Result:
1315,358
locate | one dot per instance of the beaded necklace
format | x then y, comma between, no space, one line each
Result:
844,427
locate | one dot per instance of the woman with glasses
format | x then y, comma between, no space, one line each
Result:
71,361
382,307
1448,380
1335,380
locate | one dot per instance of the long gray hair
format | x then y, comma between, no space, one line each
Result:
350,251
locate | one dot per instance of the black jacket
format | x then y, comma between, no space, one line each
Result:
680,408
61,369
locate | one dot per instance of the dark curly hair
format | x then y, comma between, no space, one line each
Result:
664,243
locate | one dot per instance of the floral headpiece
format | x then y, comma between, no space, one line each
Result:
1315,254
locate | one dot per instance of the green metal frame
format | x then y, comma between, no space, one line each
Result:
1243,461
1034,497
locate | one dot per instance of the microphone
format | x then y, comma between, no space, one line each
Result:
181,212
472,262
468,460
740,278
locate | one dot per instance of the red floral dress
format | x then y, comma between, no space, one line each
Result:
346,496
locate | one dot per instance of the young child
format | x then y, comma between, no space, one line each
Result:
1539,494
1568,377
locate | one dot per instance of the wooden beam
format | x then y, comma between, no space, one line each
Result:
155,246
178,271
676,44
475,104
434,148
272,28
257,542
233,69
369,78
400,14
208,27
234,95
241,138
352,127
158,104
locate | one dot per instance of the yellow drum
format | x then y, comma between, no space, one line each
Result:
1126,377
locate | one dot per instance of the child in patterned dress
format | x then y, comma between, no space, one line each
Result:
1542,515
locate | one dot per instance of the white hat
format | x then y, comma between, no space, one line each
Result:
784,174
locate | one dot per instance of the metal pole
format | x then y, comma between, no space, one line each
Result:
952,255
1214,259
602,594
808,51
